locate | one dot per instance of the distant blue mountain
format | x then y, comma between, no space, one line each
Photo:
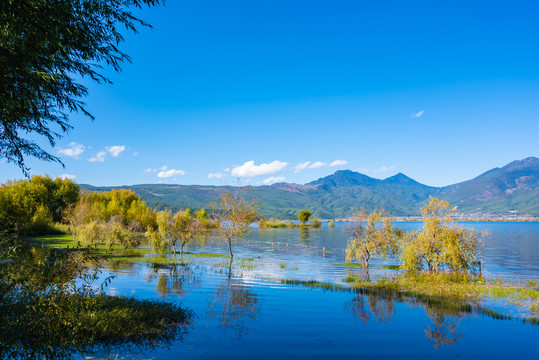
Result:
514,187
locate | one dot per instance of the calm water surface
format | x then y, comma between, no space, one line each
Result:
250,314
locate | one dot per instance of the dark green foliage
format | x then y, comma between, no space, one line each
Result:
49,307
304,216
45,48
30,207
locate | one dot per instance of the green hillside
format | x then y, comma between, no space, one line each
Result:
514,187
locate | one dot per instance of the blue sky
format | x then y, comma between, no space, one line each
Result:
439,91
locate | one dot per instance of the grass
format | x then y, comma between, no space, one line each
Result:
283,266
457,287
449,292
221,264
316,284
348,264
208,255
39,325
390,267
247,264
272,224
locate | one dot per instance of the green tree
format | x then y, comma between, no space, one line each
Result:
441,243
304,216
160,238
235,214
116,233
46,47
201,215
185,227
371,235
29,207
91,233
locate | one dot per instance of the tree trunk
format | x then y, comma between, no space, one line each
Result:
230,250
174,250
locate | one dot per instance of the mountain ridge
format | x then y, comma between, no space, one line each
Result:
512,187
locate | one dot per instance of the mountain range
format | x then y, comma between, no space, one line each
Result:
511,189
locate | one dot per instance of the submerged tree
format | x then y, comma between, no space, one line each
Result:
372,235
185,227
235,214
46,47
181,227
304,216
441,242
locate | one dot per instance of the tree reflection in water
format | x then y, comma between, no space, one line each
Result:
176,279
382,308
234,305
444,317
304,234
444,327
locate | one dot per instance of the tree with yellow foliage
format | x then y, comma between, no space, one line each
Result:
441,243
372,235
235,214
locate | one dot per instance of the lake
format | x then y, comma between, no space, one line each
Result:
250,313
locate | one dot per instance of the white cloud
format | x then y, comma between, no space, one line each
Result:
301,166
166,173
100,157
135,153
149,170
249,169
362,170
418,114
273,179
317,164
384,169
116,149
67,176
73,150
338,163
217,175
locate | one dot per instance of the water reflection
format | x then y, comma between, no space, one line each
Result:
444,317
177,279
234,305
444,327
383,308
304,234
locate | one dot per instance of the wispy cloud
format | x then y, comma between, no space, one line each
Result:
67,176
100,157
317,164
301,166
416,115
116,149
339,163
217,175
166,172
273,180
73,150
249,169
384,169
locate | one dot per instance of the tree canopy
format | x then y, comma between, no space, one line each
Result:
441,243
31,206
46,48
304,216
